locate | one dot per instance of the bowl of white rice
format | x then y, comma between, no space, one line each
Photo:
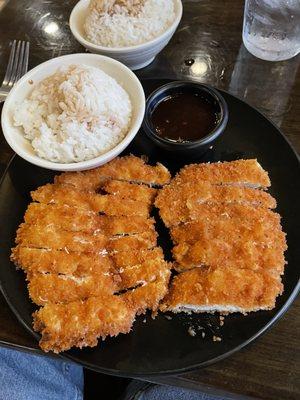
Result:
73,112
130,31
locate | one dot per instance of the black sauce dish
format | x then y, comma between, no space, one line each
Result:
194,147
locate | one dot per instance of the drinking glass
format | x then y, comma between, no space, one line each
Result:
271,28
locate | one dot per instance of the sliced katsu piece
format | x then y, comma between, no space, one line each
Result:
49,237
231,235
80,264
235,252
240,172
76,220
148,296
224,290
82,323
129,168
176,200
89,201
77,264
54,288
129,190
202,211
263,228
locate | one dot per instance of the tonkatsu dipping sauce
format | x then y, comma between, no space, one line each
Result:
185,117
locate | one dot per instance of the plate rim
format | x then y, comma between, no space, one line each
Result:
119,373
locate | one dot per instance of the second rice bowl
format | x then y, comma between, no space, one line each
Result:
136,56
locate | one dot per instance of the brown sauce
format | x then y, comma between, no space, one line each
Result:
185,117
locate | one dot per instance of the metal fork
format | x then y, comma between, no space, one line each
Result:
16,68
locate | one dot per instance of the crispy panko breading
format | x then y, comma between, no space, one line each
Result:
239,172
249,255
53,288
77,220
176,200
80,264
148,296
60,262
124,259
129,190
204,211
49,237
88,247
82,323
254,242
263,228
222,289
107,204
129,168
140,274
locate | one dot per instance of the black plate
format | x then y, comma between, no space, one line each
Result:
163,346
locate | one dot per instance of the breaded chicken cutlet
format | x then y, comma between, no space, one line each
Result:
127,190
178,202
101,277
131,169
222,227
240,172
223,290
33,260
77,264
88,246
111,205
232,234
50,237
78,220
53,288
82,323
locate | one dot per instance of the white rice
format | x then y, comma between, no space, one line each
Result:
74,115
121,28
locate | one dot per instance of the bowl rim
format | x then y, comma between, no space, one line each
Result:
81,165
210,137
115,50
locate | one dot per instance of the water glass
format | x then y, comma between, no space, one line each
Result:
271,28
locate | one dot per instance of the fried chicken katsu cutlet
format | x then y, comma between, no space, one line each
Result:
222,289
186,197
226,238
104,278
88,248
53,288
240,172
78,220
82,323
89,201
231,234
131,169
49,237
